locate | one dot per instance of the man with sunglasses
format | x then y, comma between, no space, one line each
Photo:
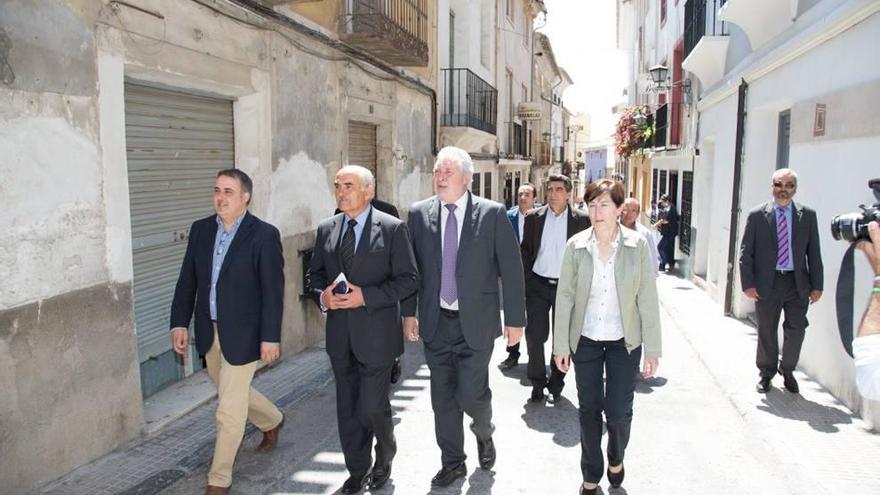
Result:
781,270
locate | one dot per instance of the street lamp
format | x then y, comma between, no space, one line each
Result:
660,79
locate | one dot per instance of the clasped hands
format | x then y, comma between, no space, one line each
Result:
353,299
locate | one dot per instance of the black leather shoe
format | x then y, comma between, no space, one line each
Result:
380,476
537,394
396,371
486,451
354,484
616,479
446,477
589,491
763,385
790,383
511,361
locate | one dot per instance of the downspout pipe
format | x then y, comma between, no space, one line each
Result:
741,114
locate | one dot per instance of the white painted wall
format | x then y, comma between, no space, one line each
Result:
833,170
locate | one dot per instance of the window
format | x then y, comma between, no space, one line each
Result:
485,35
783,139
475,183
508,9
451,39
487,186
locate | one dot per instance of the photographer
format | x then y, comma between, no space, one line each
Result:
866,346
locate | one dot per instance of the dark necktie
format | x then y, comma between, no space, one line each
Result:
348,247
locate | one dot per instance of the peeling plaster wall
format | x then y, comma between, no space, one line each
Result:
66,311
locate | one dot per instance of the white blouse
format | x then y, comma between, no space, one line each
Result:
866,351
602,319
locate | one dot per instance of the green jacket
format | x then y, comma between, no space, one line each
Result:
636,293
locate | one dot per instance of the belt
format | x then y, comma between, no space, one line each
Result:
451,313
551,281
783,273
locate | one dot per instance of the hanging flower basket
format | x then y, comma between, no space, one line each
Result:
634,133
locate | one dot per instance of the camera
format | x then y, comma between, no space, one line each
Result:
854,226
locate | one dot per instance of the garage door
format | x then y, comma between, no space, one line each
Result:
176,143
362,145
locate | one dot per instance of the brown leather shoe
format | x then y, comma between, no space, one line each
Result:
216,490
270,438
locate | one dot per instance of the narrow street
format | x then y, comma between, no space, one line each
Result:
699,428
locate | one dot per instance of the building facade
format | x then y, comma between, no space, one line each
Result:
115,118
777,84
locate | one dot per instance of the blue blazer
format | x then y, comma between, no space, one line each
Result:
512,216
250,289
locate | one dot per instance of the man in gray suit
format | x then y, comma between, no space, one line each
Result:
364,336
781,270
463,244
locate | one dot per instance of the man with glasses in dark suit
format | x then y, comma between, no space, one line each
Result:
781,270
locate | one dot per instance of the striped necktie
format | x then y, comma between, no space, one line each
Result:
782,240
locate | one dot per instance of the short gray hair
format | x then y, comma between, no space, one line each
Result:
364,173
457,155
785,172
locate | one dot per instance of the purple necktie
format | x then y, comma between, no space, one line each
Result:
782,240
448,289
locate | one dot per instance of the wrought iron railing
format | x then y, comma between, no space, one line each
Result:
684,224
467,100
394,30
701,19
661,123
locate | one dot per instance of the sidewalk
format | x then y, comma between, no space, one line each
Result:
699,428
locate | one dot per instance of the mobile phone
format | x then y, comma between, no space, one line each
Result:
341,288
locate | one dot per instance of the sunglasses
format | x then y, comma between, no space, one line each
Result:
786,185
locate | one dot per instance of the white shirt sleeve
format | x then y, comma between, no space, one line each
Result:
866,351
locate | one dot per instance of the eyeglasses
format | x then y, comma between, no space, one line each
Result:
786,185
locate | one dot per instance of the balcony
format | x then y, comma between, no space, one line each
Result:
706,38
395,31
661,120
467,101
761,20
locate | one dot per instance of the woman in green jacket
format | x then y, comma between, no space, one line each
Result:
607,318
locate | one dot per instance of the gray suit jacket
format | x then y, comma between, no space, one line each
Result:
487,250
385,270
757,260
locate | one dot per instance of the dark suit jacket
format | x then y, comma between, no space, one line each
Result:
533,230
487,250
250,289
757,260
384,268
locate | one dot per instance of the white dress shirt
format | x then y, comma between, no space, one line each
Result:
553,238
460,207
602,319
866,351
521,221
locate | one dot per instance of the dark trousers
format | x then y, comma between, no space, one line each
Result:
363,412
459,384
783,297
666,248
540,302
591,360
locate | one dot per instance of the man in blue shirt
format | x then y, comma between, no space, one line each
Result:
232,281
781,270
525,202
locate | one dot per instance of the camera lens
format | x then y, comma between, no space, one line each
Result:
846,226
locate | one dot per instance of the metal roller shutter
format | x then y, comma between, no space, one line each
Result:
176,143
362,145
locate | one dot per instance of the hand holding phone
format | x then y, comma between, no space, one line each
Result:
341,288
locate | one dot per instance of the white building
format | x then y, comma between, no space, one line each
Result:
779,84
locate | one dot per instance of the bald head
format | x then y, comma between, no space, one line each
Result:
629,213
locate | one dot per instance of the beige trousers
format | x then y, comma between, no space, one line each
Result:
237,403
